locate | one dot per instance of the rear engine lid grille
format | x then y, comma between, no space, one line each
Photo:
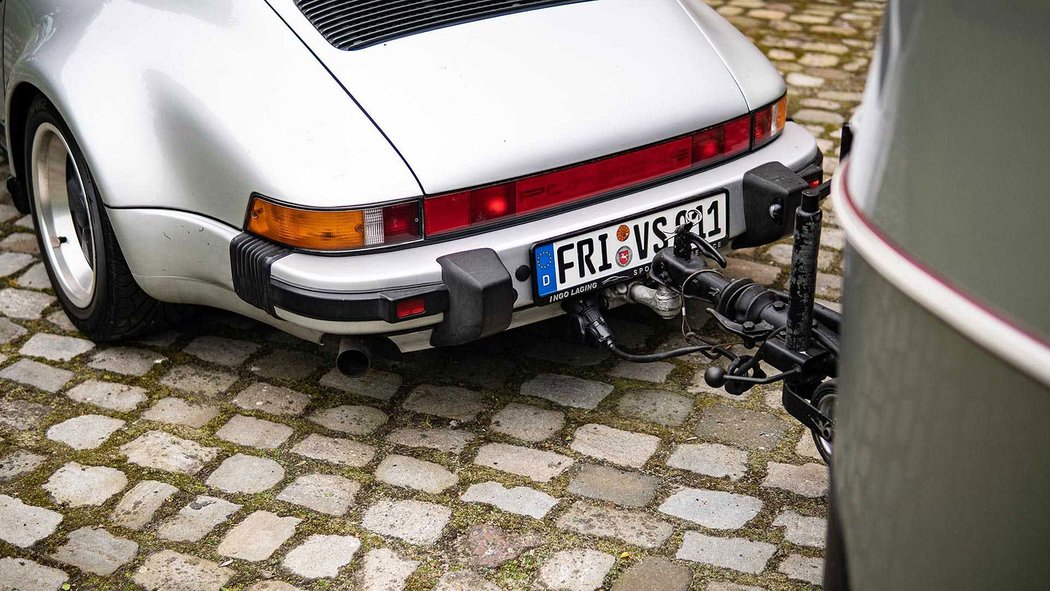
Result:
354,24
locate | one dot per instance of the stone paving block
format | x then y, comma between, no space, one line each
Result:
271,399
527,422
137,507
615,445
23,305
171,571
13,262
738,554
76,485
337,451
321,556
629,489
801,530
447,440
655,574
21,415
10,331
257,537
221,351
273,585
118,397
96,551
656,406
802,568
381,385
324,493
208,382
567,390
806,448
197,519
8,213
403,471
451,402
538,465
85,431
32,373
566,353
383,570
254,432
22,574
286,365
729,586
18,463
710,459
246,474
176,411
762,274
126,360
575,570
520,499
711,508
634,527
55,347
464,581
415,522
25,525
646,372
160,450
809,480
20,242
59,319
490,546
740,427
353,420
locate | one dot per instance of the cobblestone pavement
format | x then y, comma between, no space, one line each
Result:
225,455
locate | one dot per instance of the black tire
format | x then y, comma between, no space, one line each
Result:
824,399
118,309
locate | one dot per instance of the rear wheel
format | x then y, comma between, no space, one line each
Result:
84,262
824,399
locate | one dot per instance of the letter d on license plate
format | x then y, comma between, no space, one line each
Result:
574,265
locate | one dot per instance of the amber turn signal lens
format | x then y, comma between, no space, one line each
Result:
304,228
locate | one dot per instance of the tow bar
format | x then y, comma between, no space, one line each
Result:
790,331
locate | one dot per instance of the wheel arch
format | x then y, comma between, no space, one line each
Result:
18,107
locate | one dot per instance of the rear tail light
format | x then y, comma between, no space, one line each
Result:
769,122
333,229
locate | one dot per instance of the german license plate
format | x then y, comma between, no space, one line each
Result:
574,265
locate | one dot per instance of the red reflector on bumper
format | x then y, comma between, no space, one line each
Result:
411,307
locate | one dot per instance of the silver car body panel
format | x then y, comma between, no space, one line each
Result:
505,97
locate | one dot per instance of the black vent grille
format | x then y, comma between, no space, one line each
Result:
353,24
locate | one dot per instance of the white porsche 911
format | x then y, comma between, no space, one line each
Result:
421,172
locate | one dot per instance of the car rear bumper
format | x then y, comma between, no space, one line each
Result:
357,294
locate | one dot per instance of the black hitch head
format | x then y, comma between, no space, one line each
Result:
772,193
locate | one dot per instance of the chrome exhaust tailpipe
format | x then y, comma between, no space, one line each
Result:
354,357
